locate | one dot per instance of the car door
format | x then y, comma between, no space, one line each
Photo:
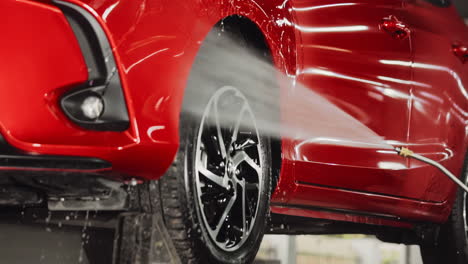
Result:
342,50
439,95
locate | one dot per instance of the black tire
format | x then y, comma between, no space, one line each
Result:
452,243
181,209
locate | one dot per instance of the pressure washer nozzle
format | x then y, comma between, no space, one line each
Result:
404,152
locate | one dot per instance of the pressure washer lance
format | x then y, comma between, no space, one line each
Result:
404,152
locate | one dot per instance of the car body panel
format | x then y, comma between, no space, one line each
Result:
439,102
154,45
343,68
375,180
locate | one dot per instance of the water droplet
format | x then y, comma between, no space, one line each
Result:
49,216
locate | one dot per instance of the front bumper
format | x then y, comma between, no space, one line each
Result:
41,60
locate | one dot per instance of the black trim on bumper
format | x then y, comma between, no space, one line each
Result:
12,159
103,76
52,162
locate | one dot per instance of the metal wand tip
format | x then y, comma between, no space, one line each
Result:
404,152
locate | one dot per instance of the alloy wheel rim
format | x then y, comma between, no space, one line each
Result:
228,168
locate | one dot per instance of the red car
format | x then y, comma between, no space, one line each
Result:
99,98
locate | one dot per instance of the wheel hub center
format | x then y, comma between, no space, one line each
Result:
230,169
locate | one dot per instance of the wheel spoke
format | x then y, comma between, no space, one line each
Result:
225,214
242,156
209,136
238,123
211,176
219,133
244,218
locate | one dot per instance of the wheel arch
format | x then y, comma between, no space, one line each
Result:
156,60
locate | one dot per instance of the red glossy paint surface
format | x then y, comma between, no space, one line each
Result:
439,105
338,63
383,81
409,90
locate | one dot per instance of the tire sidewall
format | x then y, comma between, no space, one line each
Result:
451,244
457,221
